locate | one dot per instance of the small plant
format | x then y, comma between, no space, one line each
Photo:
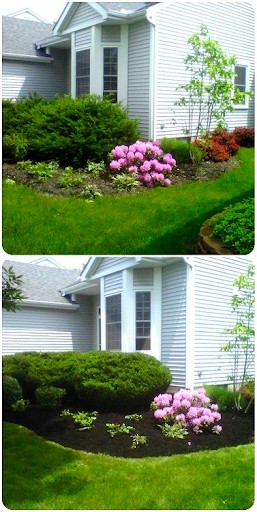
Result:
116,428
49,396
90,192
43,170
9,181
85,419
24,165
70,179
95,168
125,181
244,137
15,146
176,431
138,440
235,227
65,412
134,417
20,405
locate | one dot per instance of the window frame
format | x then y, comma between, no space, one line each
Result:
82,76
112,323
115,91
246,66
143,321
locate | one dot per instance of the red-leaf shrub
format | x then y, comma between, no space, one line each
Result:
219,146
226,139
244,137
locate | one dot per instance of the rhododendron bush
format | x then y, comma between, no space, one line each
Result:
192,409
145,160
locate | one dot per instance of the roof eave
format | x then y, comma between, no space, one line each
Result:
32,58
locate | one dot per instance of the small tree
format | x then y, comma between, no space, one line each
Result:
12,293
210,91
241,347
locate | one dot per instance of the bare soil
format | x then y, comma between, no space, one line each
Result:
238,429
183,173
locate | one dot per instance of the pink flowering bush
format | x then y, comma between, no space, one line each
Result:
192,409
145,160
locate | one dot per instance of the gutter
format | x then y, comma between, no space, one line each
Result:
44,304
28,58
77,288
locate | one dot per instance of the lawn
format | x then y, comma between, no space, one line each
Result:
39,474
158,221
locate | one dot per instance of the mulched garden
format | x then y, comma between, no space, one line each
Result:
182,173
237,429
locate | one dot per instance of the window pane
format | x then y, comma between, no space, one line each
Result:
110,78
83,72
113,322
143,344
240,78
83,86
143,320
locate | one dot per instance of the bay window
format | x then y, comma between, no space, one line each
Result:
110,72
143,320
113,322
82,72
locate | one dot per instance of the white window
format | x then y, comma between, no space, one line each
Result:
143,320
241,82
113,322
82,72
110,72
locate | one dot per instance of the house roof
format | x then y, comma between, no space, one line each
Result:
130,7
19,35
41,283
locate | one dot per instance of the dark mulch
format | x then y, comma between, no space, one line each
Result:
182,173
237,429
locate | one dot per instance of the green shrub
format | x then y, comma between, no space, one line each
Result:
12,391
125,181
235,227
181,150
224,397
70,179
97,380
15,146
71,131
50,396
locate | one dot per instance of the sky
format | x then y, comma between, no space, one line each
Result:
49,10
70,262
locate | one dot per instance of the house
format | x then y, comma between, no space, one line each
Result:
135,51
174,308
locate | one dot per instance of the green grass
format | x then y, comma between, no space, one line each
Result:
159,221
38,474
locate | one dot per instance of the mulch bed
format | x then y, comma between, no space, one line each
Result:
183,173
237,429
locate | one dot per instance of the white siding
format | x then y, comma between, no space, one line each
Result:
21,79
84,14
110,34
139,74
230,23
83,38
111,263
214,278
174,295
143,277
49,330
113,283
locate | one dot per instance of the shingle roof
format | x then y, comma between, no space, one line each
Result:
19,36
42,283
127,6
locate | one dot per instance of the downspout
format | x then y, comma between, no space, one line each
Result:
152,81
190,322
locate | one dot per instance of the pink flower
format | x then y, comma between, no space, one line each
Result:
133,168
217,429
139,156
146,166
214,407
114,165
167,182
159,414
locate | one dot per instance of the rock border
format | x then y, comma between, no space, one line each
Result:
209,245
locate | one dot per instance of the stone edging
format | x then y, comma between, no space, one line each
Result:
209,245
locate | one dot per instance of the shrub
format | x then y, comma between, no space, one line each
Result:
42,171
244,137
125,181
97,380
71,131
15,146
219,146
70,179
235,227
20,405
224,397
225,138
50,396
90,192
12,391
181,150
145,160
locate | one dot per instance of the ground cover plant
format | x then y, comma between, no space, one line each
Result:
51,477
153,222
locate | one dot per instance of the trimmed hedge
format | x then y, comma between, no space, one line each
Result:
102,381
11,391
71,131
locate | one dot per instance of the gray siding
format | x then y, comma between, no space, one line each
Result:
53,330
174,300
139,74
143,277
213,291
110,34
230,23
83,38
20,79
107,264
112,283
84,14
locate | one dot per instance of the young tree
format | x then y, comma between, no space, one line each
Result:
241,346
210,91
12,293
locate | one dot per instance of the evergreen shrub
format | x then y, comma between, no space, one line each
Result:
12,391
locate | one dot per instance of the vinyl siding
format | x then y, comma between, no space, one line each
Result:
173,345
113,283
21,79
53,330
139,74
143,277
213,292
230,23
107,264
110,34
84,14
83,38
